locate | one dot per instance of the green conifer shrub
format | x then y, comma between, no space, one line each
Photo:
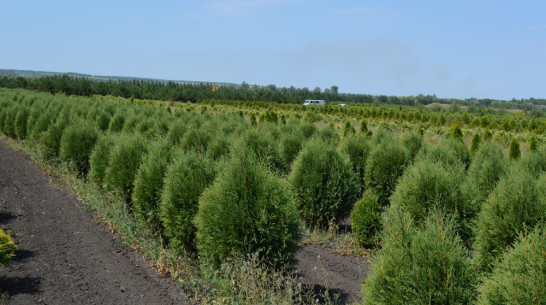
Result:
514,152
21,123
289,146
385,164
518,278
50,141
517,202
487,167
197,139
363,127
535,162
149,183
476,140
77,142
247,210
366,221
185,180
99,158
456,132
35,111
324,182
9,121
307,129
329,135
117,122
123,163
219,147
413,142
357,148
425,264
383,133
348,128
263,145
428,186
533,144
103,121
42,123
176,131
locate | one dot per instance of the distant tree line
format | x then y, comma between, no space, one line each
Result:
197,92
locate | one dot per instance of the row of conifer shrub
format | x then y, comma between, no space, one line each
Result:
211,184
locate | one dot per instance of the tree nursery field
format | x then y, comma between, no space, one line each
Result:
436,205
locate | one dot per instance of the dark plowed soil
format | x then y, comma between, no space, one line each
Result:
330,271
63,256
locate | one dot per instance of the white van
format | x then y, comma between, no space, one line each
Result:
313,102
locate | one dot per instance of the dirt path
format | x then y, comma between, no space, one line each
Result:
63,256
339,274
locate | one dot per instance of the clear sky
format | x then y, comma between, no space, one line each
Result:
461,49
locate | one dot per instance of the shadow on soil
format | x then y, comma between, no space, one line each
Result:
6,217
319,291
20,285
21,255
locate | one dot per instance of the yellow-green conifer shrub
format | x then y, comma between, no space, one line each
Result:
185,180
324,182
425,264
247,210
519,277
7,247
518,202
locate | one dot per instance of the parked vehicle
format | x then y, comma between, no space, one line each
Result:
313,102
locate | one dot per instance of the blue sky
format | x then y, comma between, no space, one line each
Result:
461,49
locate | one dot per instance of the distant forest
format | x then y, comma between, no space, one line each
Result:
198,92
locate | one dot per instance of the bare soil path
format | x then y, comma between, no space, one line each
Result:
63,256
325,270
